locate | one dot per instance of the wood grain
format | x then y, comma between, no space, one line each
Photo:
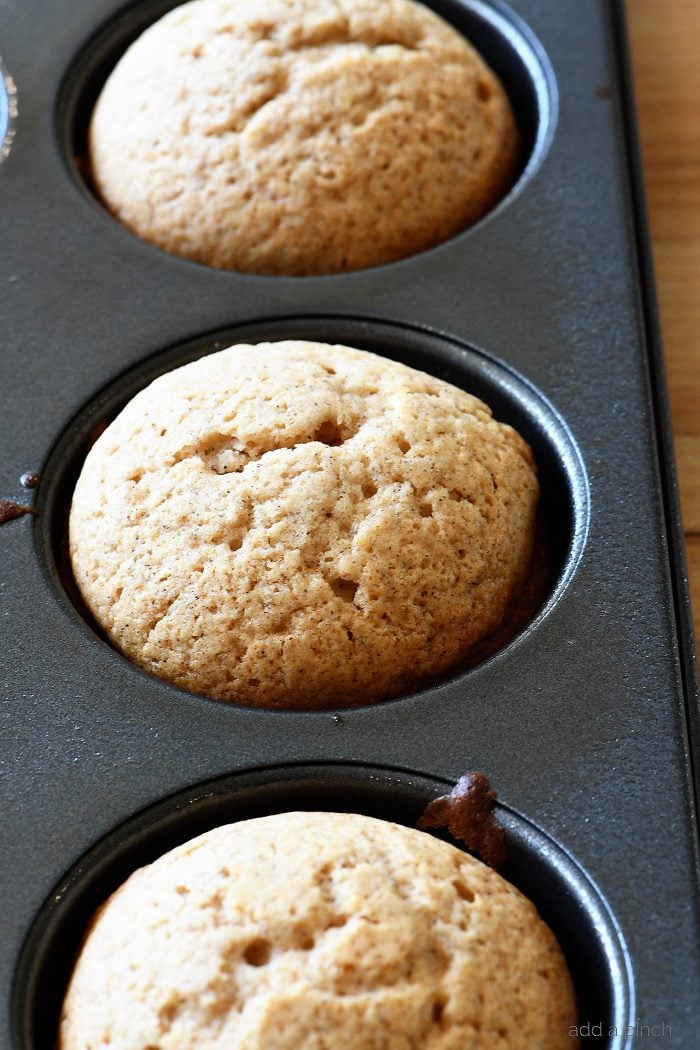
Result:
665,45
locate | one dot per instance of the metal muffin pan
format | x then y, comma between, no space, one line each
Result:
583,723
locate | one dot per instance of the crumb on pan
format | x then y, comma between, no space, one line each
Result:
467,814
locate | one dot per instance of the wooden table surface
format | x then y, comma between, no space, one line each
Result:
665,44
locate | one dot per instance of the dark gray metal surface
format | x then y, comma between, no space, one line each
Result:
581,723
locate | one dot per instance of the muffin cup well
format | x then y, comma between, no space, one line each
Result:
562,892
564,504
504,41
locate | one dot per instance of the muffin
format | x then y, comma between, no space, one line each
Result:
301,525
301,136
303,931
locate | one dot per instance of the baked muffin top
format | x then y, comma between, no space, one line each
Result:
301,525
307,930
301,136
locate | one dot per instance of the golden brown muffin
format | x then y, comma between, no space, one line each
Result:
300,525
301,136
318,931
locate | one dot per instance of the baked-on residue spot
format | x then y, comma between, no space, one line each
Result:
467,813
296,138
9,510
30,479
277,525
326,924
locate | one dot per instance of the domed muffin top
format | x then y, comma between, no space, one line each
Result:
308,930
301,136
300,525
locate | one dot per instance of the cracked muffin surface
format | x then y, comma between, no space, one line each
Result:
295,524
301,136
318,931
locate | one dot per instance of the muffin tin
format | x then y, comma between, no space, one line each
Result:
584,722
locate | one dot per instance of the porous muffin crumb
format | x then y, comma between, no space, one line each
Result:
300,525
304,931
301,136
